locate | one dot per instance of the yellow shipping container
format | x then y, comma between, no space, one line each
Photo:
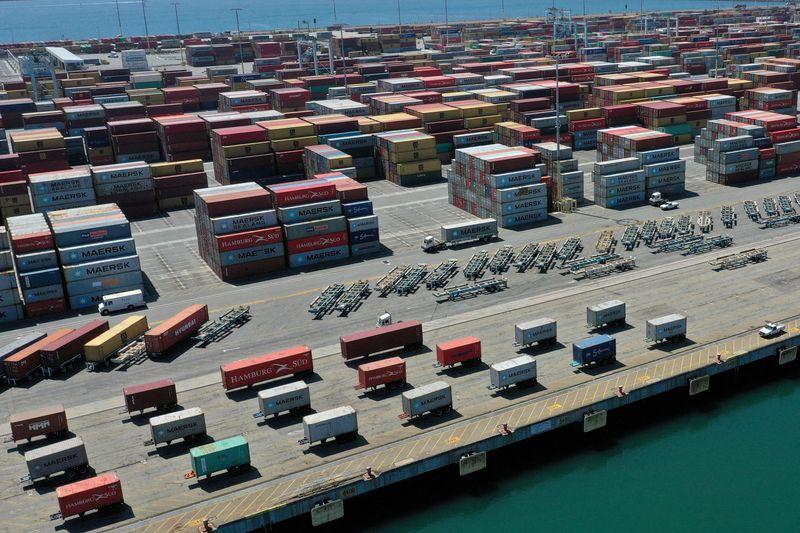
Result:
456,96
475,110
367,125
15,211
344,161
416,155
33,140
482,122
584,114
241,150
440,112
287,132
178,167
428,165
413,145
666,121
101,348
697,124
295,143
683,138
15,200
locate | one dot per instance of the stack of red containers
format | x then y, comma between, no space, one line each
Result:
14,199
289,100
176,182
183,137
134,140
188,97
208,94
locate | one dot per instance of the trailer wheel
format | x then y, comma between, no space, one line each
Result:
439,412
70,473
401,384
82,470
448,409
104,312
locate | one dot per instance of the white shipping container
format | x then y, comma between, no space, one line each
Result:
289,397
183,424
517,370
543,329
338,422
434,397
612,311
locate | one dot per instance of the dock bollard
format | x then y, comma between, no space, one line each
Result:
621,392
504,429
719,359
369,474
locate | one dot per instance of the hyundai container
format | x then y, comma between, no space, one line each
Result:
339,423
98,492
542,331
231,454
436,398
610,313
50,421
390,372
407,335
173,330
247,372
292,397
519,370
601,349
466,351
187,424
68,456
159,394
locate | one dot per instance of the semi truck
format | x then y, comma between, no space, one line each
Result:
406,335
542,331
436,398
601,350
610,313
667,328
340,423
520,371
484,229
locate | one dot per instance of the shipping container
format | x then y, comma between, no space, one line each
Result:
436,398
159,394
67,456
247,372
390,372
601,349
187,424
466,351
231,454
100,349
50,421
173,330
610,313
407,335
519,370
25,362
61,354
340,423
292,397
666,328
542,331
15,346
484,229
98,492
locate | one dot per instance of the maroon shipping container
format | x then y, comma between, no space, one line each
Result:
466,351
173,330
50,421
24,362
239,135
247,372
390,372
59,353
98,492
239,202
160,394
403,334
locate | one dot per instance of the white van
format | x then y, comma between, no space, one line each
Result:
121,301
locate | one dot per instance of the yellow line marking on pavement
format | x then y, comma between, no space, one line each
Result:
643,378
554,407
453,440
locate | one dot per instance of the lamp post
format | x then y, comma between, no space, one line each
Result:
335,18
239,32
446,26
146,31
119,18
178,24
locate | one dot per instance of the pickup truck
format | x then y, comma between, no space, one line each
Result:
771,329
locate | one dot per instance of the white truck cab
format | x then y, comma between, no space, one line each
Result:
121,301
384,320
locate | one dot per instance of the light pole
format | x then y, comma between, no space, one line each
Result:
446,26
178,24
399,21
503,8
119,18
335,19
239,32
146,31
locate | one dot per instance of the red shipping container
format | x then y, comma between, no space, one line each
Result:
766,153
10,176
309,244
238,135
589,124
466,351
785,159
50,421
160,394
303,194
786,168
28,359
390,372
14,188
173,330
248,239
70,346
784,135
234,203
100,491
247,372
9,162
406,334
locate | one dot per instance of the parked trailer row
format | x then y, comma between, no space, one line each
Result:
15,346
23,364
61,354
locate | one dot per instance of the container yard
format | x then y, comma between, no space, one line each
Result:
355,270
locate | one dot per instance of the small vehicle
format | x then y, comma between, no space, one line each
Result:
384,320
668,206
113,55
771,329
657,199
121,301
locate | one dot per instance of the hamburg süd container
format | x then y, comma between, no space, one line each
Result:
466,351
610,313
187,424
436,398
292,397
231,454
339,423
601,349
519,370
248,372
542,331
173,330
159,394
97,492
67,456
666,328
50,421
390,372
407,335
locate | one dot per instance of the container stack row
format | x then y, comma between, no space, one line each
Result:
559,163
62,189
408,157
183,137
39,150
175,183
242,154
134,140
129,185
362,223
14,199
10,304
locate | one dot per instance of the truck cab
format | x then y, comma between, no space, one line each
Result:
121,301
431,244
657,199
384,320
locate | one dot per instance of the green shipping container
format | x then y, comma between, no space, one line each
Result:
225,454
676,129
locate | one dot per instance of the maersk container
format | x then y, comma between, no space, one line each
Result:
36,261
610,313
669,327
40,294
186,424
105,284
244,222
302,213
105,267
316,257
519,370
39,278
66,456
542,331
436,397
231,454
340,422
96,252
292,397
485,229
601,349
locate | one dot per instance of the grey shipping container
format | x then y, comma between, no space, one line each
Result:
62,200
244,222
123,187
105,267
65,456
520,370
9,297
10,313
362,223
512,194
6,260
40,294
72,180
290,397
365,248
184,424
301,213
543,330
78,234
667,327
337,422
97,251
88,286
527,217
515,179
314,228
611,312
485,228
436,397
8,280
36,261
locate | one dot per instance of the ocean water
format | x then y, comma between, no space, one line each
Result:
31,20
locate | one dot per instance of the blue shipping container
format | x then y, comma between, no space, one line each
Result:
39,294
602,348
362,223
37,261
248,255
357,209
90,233
39,278
301,213
99,269
357,237
365,248
319,256
96,252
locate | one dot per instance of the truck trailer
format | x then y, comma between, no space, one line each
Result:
667,328
340,423
452,234
436,398
542,332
